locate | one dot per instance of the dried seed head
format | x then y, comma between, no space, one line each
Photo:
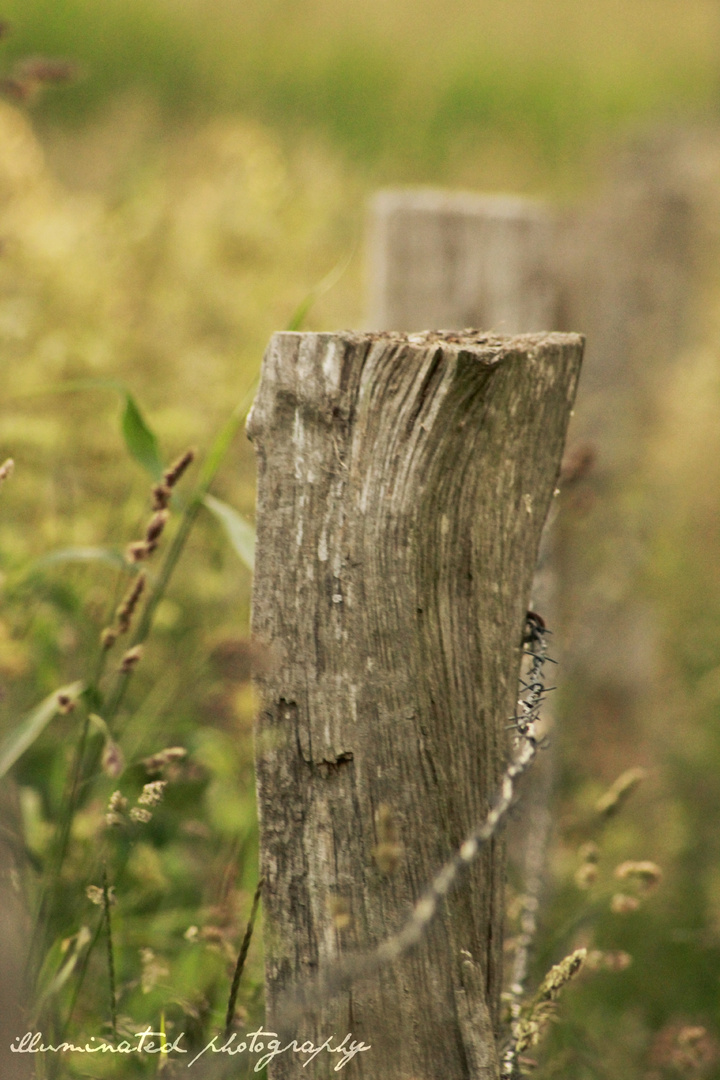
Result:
117,801
108,637
155,526
684,1050
96,895
212,933
140,815
152,793
117,805
531,1028
113,761
622,904
160,496
168,756
598,960
138,551
646,874
130,659
586,875
130,602
589,852
689,1035
618,960
156,762
175,471
617,795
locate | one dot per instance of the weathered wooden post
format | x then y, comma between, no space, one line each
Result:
403,485
453,260
450,260
621,270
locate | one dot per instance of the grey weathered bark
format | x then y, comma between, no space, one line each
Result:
403,485
451,260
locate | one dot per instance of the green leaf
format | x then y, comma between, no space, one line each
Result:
111,556
240,532
140,440
33,725
55,972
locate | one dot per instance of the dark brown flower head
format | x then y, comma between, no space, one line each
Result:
175,471
130,659
156,525
130,602
65,704
138,551
161,496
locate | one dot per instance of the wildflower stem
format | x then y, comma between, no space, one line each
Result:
80,770
242,956
211,465
82,971
110,957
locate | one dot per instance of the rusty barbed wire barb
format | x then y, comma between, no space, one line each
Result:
529,704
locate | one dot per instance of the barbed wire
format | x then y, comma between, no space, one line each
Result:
343,973
529,704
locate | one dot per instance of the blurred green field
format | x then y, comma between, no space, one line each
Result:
159,218
418,90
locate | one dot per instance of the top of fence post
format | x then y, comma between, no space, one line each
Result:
442,260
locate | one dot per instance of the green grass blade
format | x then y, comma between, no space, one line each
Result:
110,556
33,726
239,532
140,440
324,285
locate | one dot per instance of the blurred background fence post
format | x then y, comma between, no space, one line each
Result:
403,486
447,260
618,270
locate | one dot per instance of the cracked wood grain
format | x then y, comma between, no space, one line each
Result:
403,482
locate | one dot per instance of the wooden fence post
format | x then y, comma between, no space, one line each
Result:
403,485
444,260
621,271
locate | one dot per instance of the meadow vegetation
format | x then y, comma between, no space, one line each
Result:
159,218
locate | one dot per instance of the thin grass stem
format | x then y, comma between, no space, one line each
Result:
242,956
110,955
